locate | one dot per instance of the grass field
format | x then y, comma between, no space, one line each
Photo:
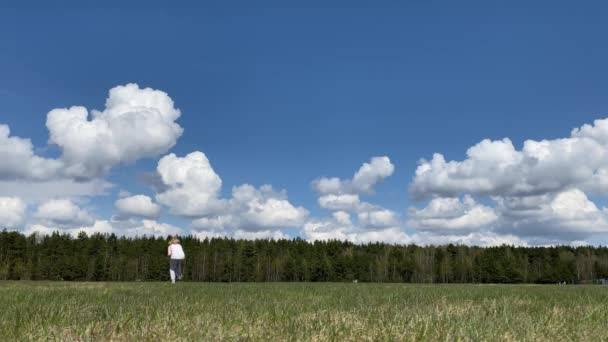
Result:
291,311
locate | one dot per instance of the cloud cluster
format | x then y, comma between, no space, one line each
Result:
127,228
192,189
254,210
136,123
567,215
538,192
496,168
353,219
335,229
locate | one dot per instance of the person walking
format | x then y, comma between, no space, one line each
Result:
177,256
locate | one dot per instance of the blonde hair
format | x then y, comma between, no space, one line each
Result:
173,241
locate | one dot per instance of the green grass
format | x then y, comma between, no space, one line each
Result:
284,311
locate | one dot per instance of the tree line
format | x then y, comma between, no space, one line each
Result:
107,257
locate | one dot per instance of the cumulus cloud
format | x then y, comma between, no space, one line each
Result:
102,227
264,208
452,214
352,219
126,228
336,229
137,205
192,185
20,162
136,123
264,234
192,189
481,238
496,168
252,209
363,181
539,192
12,212
371,173
566,215
62,212
151,227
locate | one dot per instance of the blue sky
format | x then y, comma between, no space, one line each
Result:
282,95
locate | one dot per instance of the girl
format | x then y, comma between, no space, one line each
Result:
177,255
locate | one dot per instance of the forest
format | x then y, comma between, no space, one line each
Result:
107,257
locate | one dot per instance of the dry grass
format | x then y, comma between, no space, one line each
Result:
314,312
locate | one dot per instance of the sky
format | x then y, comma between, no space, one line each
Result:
423,122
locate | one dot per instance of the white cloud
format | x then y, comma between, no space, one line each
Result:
216,223
205,234
264,207
252,209
347,202
337,229
563,216
363,181
342,198
102,227
151,227
393,235
193,190
496,168
136,123
342,217
482,238
62,212
545,219
371,173
126,228
539,191
12,212
452,214
264,234
137,205
377,217
328,185
327,229
20,162
193,185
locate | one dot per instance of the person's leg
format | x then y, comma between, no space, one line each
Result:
179,269
172,267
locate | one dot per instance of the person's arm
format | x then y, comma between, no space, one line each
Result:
169,251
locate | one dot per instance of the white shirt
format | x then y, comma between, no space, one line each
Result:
176,251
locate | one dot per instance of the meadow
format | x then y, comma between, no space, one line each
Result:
153,311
